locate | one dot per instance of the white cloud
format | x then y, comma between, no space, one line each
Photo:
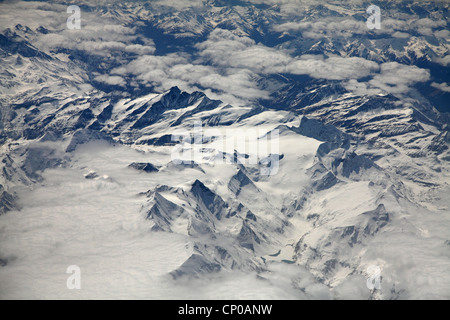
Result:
176,70
224,49
179,4
344,27
230,65
428,23
399,34
360,88
400,27
97,225
96,38
331,27
32,14
111,80
334,68
140,49
444,33
98,35
394,78
397,78
445,61
441,86
227,65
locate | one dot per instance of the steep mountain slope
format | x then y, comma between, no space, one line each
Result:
291,149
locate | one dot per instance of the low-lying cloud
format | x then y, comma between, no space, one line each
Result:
441,86
394,78
230,66
226,66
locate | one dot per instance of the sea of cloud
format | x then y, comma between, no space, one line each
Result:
97,225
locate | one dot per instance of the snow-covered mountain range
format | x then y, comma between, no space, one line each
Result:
89,127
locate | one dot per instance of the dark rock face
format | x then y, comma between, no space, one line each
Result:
11,43
174,99
326,181
143,166
84,119
378,219
184,165
250,216
164,140
163,212
356,163
323,132
371,222
240,180
194,266
91,175
39,158
83,136
208,202
7,201
247,237
440,143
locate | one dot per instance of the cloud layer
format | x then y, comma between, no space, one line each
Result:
226,65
